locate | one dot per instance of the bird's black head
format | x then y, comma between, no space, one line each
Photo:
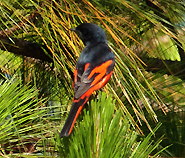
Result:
90,33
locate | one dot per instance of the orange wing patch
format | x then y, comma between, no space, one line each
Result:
100,68
86,66
99,77
75,75
99,85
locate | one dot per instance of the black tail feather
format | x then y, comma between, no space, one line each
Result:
73,114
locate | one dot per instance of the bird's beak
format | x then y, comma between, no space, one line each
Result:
73,29
76,31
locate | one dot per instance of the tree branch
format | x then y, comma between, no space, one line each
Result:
25,48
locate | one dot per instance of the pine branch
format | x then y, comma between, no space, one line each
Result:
31,18
159,12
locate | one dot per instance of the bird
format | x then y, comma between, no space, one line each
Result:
93,69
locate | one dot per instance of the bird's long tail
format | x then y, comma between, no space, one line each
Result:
73,114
